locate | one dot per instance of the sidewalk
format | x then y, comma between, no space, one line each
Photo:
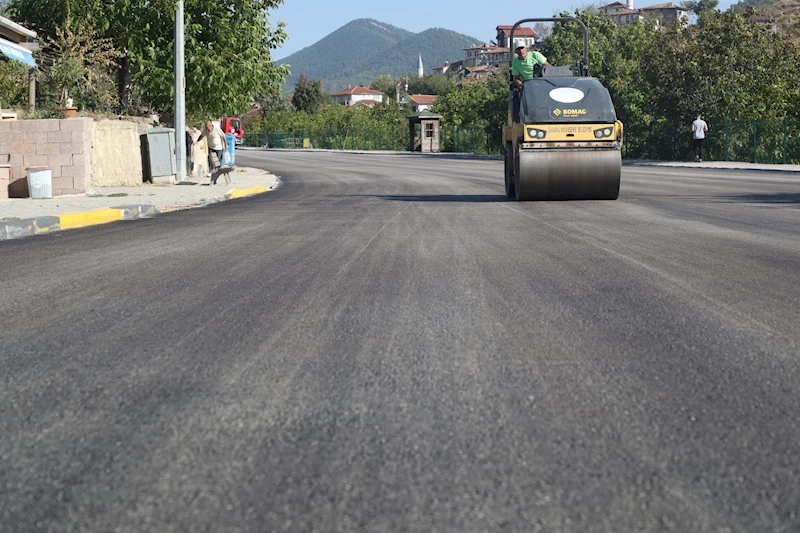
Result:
22,217
719,165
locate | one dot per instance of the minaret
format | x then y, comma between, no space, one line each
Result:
630,4
420,70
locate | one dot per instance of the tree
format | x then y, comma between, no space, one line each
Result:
712,69
79,64
431,84
699,6
308,95
228,45
385,84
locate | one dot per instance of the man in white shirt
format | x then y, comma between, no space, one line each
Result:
217,144
699,129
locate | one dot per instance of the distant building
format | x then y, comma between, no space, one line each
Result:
352,95
524,33
421,102
448,68
666,14
479,73
485,54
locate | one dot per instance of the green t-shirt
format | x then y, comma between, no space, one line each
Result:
524,67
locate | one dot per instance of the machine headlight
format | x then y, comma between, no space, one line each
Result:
604,132
533,133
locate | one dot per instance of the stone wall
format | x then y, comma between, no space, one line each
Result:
117,153
63,145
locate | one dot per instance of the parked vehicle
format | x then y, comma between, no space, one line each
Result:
233,125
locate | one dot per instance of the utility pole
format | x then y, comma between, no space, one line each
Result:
180,97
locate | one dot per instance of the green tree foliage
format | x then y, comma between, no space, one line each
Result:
13,84
228,45
79,63
385,84
726,67
308,95
699,6
431,84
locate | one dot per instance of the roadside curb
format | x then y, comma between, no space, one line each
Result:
28,227
242,193
712,165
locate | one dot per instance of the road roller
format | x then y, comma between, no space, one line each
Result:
563,140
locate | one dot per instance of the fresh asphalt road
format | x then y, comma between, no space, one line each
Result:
386,344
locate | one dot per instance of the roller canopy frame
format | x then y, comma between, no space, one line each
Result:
584,63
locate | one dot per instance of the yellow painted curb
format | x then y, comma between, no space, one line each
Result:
241,193
89,218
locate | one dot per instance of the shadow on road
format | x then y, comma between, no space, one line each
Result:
452,198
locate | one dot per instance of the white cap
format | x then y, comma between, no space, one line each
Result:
518,43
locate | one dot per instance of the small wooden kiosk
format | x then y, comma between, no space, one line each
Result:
423,129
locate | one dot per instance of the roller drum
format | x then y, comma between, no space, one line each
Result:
565,174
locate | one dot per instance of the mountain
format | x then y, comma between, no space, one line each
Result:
363,49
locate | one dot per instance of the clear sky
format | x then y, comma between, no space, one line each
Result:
308,21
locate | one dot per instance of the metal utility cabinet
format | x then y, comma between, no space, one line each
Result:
160,165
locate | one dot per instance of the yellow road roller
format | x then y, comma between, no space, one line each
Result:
563,140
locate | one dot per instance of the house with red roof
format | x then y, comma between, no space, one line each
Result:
355,94
522,32
421,102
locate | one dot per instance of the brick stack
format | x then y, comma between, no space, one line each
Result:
63,145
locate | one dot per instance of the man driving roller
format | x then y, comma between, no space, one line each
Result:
524,60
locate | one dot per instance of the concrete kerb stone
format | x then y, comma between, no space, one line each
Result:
133,212
17,229
28,227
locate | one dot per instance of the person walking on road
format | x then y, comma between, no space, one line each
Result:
699,130
217,144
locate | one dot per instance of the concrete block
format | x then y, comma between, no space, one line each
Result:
58,160
79,136
76,124
16,160
25,149
47,125
73,148
35,160
5,137
60,136
63,183
5,126
48,148
5,149
35,137
80,184
82,159
55,171
25,126
75,171
5,178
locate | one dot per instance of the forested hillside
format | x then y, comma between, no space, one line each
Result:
363,49
786,12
